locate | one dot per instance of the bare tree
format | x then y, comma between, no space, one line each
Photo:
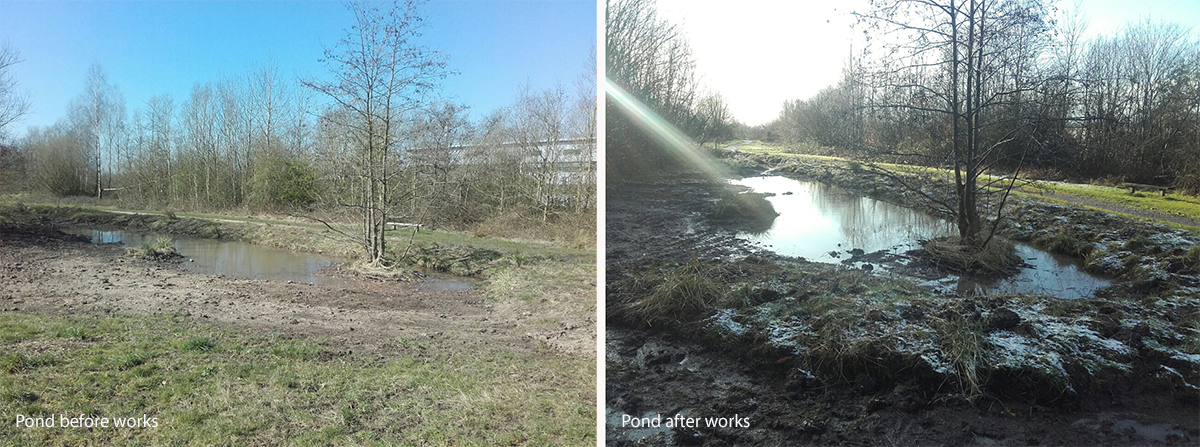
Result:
158,151
650,59
380,72
958,63
94,115
13,105
713,119
585,127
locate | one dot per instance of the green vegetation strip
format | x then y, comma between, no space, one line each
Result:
1117,213
210,386
1173,203
1179,204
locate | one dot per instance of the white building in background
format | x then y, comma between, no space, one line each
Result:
570,160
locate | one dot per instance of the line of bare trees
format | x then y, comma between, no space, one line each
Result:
650,58
1033,96
379,148
13,106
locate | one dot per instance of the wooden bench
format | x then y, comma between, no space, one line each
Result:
394,225
1133,187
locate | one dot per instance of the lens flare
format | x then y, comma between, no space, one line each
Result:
663,132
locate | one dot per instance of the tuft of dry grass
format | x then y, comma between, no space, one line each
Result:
747,205
962,341
683,294
996,258
161,248
1192,256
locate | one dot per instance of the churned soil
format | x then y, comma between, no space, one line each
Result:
668,370
48,272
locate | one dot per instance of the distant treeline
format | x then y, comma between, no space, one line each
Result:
650,59
1124,107
259,143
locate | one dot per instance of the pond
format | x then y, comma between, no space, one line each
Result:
824,223
229,258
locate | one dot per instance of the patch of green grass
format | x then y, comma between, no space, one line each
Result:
74,332
199,344
1175,225
255,396
1180,204
556,281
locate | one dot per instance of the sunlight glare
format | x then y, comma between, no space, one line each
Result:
665,133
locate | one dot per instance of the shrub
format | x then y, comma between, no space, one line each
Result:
282,181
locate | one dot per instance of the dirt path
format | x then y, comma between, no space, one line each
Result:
66,277
211,219
1105,205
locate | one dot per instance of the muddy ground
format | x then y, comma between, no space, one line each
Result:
671,370
52,273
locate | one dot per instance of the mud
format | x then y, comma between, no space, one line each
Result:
715,366
52,273
655,373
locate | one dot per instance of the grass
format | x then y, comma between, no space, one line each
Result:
1174,225
1192,256
998,257
962,340
1058,242
748,205
1180,204
683,294
161,248
432,249
538,279
211,386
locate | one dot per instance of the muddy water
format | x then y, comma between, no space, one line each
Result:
229,258
824,223
443,283
243,260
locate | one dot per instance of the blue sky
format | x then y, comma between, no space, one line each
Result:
151,48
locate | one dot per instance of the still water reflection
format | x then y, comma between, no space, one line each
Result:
823,223
236,259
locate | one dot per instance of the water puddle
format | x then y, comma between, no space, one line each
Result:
824,223
229,258
1049,274
1131,428
443,284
